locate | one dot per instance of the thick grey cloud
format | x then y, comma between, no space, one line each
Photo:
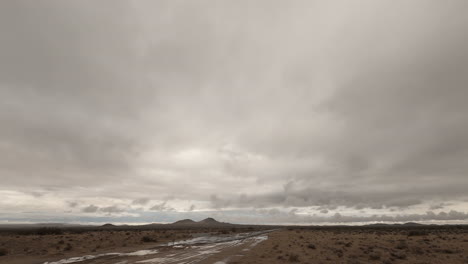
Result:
221,105
108,209
90,209
141,201
338,218
112,209
161,207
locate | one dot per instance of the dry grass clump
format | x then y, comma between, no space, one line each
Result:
375,256
293,258
148,239
49,231
417,233
402,245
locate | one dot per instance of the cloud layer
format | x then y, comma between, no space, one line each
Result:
132,108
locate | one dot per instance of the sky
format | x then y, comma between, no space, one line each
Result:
275,112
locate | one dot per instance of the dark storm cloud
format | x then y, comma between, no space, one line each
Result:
90,209
72,204
300,194
161,207
141,201
338,218
107,209
111,209
63,97
234,104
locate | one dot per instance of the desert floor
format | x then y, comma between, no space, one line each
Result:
362,246
286,245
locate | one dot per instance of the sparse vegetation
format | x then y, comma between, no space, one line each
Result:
293,258
399,255
49,231
417,233
347,245
353,261
68,247
374,256
402,245
447,251
417,251
147,239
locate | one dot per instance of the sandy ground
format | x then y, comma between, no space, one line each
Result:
208,249
362,246
36,249
293,245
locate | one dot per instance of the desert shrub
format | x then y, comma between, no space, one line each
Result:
148,239
417,250
78,231
68,247
402,245
3,252
399,255
311,246
447,251
417,233
293,258
338,252
374,256
49,231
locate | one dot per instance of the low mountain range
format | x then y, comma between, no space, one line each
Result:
205,222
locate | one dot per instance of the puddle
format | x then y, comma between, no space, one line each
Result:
184,251
89,257
216,238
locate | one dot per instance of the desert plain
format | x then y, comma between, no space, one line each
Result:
220,243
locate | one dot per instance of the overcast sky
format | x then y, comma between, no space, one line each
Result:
246,111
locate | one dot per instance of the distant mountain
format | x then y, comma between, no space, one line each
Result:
409,224
209,221
184,222
205,222
108,225
378,224
412,224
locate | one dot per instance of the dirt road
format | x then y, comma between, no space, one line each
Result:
203,249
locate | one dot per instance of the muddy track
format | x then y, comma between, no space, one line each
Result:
203,249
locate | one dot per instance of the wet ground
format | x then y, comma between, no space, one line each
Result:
204,248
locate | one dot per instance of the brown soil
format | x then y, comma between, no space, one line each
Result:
361,246
293,245
32,249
